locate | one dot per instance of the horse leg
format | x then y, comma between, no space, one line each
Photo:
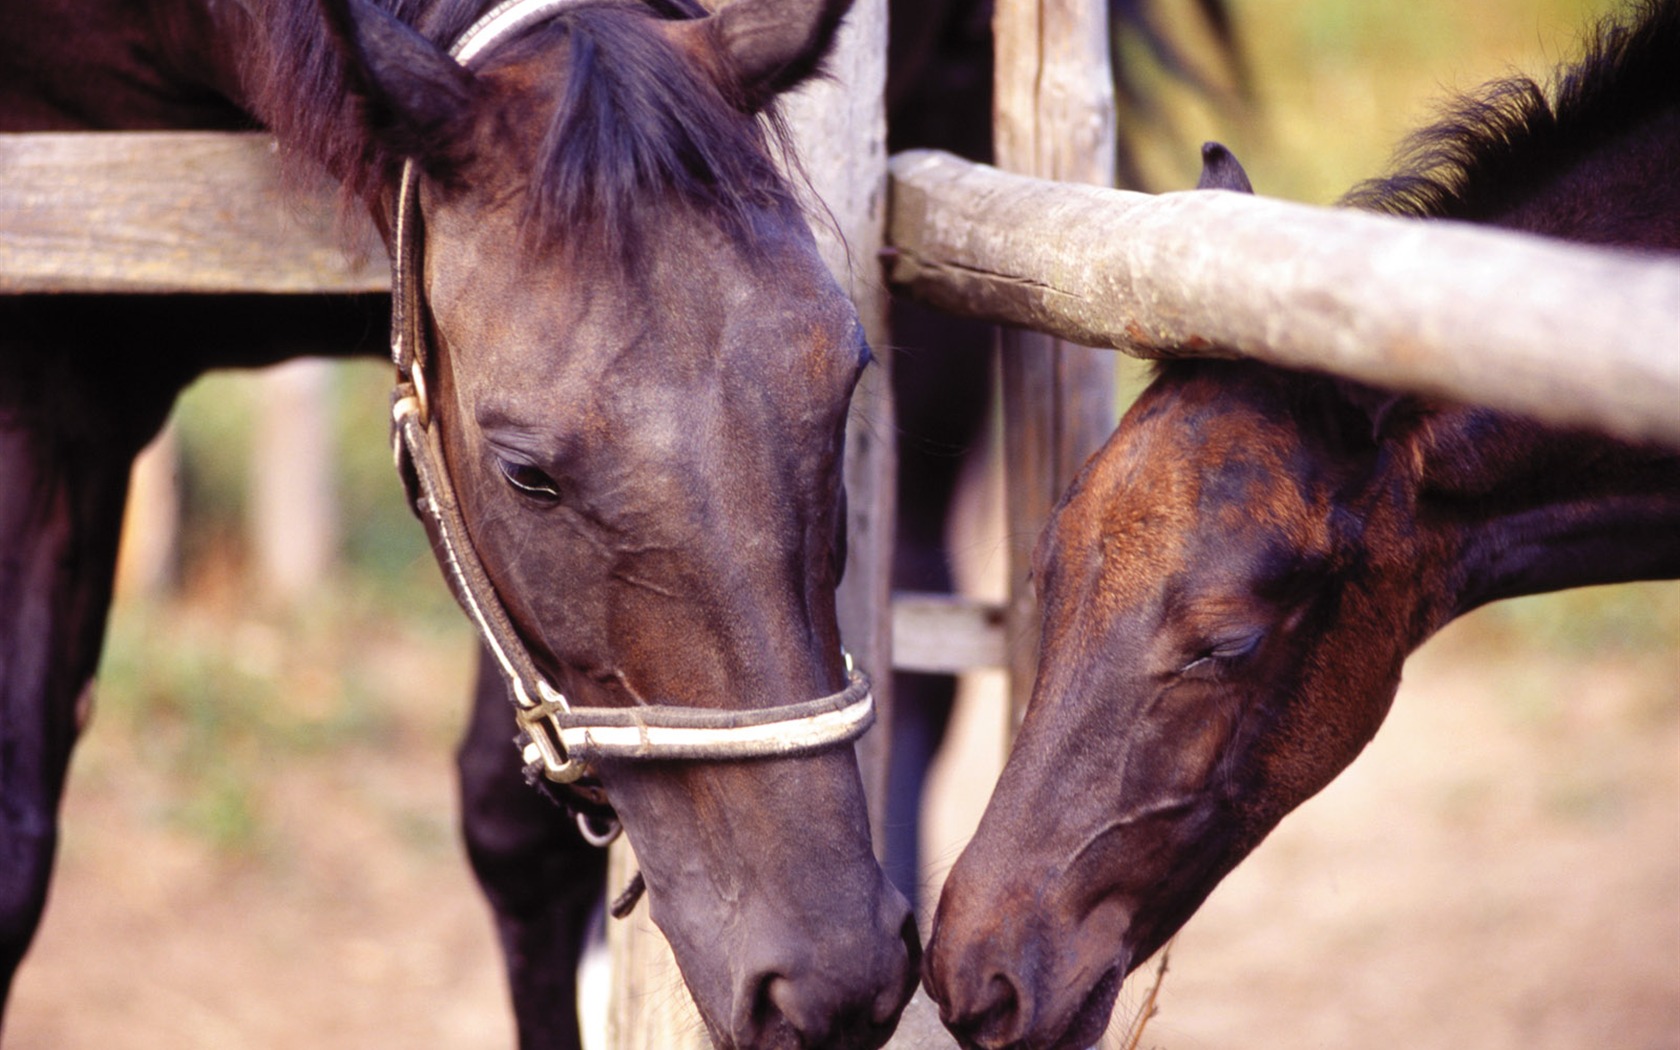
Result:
66,446
541,878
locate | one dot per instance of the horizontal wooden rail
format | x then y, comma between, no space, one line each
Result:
170,212
947,634
1569,334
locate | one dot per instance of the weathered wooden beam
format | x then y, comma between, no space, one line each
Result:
170,212
1570,334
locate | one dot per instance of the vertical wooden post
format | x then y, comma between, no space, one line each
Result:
146,560
840,127
1053,117
294,504
649,1007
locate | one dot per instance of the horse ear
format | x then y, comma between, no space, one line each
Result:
417,101
757,49
1220,170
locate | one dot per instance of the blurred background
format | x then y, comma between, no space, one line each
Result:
260,848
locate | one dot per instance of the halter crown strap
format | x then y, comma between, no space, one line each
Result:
559,740
506,19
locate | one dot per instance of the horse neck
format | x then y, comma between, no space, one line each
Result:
1620,193
1516,508
1522,508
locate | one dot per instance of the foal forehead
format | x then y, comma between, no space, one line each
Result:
1187,480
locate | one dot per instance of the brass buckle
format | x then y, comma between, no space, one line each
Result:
544,745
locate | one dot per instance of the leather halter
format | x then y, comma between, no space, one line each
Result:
559,741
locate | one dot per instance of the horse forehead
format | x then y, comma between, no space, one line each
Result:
660,387
1175,489
1125,527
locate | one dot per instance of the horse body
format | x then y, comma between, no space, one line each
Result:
1233,583
653,493
98,65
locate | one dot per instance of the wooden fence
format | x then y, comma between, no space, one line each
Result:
1569,334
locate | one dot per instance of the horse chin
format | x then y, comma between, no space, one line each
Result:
1091,1019
1106,932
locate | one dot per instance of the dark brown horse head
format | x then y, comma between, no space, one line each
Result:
642,376
1200,585
1229,591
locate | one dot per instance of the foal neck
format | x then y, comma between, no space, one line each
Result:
1521,508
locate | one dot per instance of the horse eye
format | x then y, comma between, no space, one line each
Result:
530,481
1220,655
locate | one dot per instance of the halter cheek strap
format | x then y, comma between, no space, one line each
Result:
558,741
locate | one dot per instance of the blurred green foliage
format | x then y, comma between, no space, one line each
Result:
218,685
383,545
1336,84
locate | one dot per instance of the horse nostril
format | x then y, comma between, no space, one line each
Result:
992,1018
764,1021
801,1014
1005,999
846,996
820,1008
777,1008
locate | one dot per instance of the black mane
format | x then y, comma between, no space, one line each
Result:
1493,146
639,121
636,121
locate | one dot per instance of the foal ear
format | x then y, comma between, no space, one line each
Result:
417,101
757,49
1220,170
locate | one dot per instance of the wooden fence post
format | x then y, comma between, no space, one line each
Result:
147,559
1053,116
294,504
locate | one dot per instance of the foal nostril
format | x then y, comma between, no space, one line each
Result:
992,1018
1000,1004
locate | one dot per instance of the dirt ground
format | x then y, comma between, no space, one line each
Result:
1500,869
